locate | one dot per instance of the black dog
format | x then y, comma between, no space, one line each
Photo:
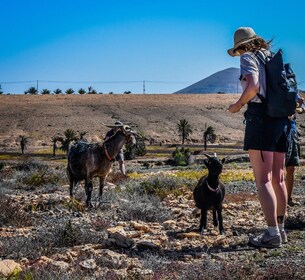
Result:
209,193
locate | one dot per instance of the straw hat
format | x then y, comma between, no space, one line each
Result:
241,36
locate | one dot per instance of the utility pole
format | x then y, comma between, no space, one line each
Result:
144,87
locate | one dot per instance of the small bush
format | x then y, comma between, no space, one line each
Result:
2,165
180,156
12,215
161,186
142,207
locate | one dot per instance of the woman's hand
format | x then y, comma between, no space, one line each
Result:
234,108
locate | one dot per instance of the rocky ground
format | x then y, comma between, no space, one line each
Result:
144,228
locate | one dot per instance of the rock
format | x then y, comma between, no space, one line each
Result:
118,229
8,267
134,234
188,235
89,264
112,259
147,245
169,224
61,265
140,274
121,240
140,226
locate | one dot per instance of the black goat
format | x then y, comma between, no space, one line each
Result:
209,193
86,161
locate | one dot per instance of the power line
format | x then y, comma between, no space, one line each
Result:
93,82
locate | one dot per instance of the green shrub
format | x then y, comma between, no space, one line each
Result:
2,165
181,156
162,185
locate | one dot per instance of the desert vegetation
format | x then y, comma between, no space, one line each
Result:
144,227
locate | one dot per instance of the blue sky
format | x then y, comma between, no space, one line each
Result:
115,45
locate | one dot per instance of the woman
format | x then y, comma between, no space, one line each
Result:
265,137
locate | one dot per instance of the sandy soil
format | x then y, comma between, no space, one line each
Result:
41,117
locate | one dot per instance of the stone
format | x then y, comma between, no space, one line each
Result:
88,264
169,224
113,259
147,245
188,235
140,226
121,240
7,267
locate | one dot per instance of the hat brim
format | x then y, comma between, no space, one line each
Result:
231,51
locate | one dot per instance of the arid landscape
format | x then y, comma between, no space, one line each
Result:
145,226
156,116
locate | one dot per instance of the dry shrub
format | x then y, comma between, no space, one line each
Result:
12,215
142,207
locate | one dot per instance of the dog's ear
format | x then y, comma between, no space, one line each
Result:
223,160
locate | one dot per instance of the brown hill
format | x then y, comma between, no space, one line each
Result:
41,117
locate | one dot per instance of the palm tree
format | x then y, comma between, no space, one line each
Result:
81,91
69,91
82,135
55,139
23,143
90,89
57,91
70,135
208,135
31,90
45,91
185,129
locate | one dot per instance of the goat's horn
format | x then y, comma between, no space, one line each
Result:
215,155
207,156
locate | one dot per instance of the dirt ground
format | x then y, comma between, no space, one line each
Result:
43,116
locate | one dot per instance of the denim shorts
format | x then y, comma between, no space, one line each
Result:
264,133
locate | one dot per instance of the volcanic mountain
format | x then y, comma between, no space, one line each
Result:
225,81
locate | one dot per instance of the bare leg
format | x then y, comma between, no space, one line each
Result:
263,175
289,180
278,183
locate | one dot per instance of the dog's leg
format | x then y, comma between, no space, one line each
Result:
203,221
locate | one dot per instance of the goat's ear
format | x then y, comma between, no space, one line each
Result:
206,162
223,160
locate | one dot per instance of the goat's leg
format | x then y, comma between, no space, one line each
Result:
219,214
72,182
89,188
102,184
215,221
203,220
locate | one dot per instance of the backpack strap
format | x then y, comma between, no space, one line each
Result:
261,56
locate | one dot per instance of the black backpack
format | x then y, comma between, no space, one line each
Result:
281,86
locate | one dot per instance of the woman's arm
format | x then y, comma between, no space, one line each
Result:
250,91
